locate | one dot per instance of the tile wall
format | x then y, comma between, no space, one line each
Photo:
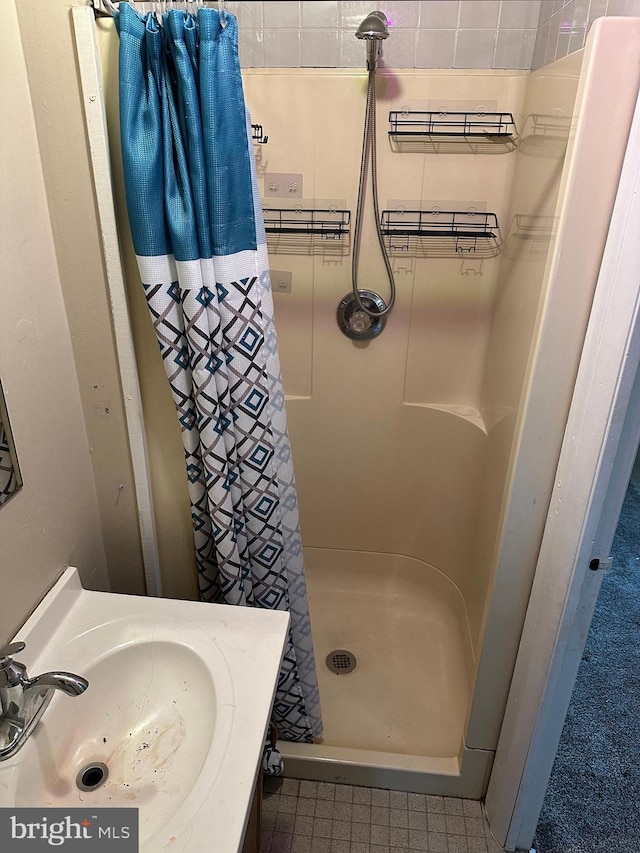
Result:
426,34
507,34
564,24
511,34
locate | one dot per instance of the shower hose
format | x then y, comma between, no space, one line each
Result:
369,144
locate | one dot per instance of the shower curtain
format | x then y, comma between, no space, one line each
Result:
198,233
8,479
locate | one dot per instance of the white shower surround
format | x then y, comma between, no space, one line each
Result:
492,610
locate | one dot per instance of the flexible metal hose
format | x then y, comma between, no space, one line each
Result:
369,145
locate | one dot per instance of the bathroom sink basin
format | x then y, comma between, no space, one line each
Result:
149,719
173,721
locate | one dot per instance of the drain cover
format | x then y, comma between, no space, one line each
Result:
341,661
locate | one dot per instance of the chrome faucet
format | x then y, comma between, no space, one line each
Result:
24,700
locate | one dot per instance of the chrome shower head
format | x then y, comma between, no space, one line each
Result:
374,27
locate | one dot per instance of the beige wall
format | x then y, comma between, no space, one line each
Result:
54,520
388,438
531,223
49,50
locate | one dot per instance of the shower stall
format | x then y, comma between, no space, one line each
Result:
424,457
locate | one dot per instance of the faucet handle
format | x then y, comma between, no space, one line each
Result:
12,672
11,650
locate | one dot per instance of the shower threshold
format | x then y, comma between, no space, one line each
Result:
450,777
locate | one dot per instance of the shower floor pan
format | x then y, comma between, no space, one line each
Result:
396,720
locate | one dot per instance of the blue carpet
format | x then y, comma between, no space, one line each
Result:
593,799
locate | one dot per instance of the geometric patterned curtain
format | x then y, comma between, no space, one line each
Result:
197,227
8,479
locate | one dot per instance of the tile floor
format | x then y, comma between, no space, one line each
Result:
318,817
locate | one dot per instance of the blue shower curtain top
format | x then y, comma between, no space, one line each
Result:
190,167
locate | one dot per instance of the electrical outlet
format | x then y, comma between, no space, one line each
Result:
280,281
282,185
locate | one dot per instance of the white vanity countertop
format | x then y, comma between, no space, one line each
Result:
241,648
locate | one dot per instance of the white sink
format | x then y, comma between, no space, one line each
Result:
177,707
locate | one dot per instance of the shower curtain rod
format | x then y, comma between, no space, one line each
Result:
107,8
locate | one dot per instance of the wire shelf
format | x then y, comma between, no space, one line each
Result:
328,224
447,132
530,236
545,135
550,125
442,233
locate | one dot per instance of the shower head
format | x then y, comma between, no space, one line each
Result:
374,27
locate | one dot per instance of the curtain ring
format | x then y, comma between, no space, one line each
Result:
158,8
222,12
103,8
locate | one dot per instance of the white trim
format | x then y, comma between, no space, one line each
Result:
602,433
91,86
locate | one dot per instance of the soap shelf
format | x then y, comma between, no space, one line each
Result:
257,134
549,125
441,233
530,236
443,131
545,135
328,224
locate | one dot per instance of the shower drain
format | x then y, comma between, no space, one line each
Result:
341,661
